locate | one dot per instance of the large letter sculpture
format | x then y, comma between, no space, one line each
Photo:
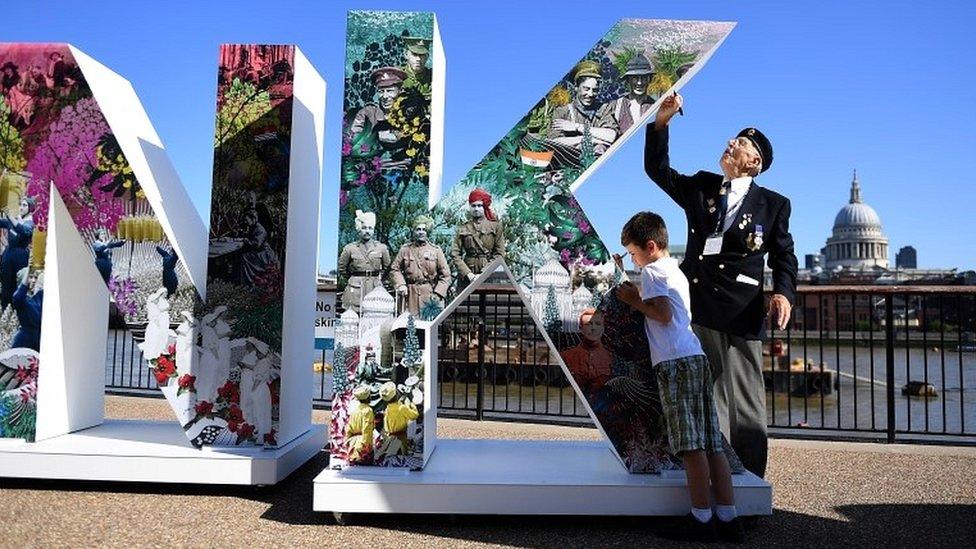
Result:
514,210
93,213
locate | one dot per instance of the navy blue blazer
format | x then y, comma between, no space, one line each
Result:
727,288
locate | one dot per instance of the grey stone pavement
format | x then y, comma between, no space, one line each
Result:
826,494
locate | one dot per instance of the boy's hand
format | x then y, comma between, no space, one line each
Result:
618,260
629,294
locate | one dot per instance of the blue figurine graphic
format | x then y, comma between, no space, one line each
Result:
28,307
169,270
20,230
103,253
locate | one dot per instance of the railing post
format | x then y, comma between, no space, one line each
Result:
480,405
890,364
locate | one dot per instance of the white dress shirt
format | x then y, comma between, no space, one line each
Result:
737,192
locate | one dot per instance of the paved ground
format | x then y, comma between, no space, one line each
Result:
825,494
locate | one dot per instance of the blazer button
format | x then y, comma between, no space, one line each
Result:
693,231
694,281
701,257
721,265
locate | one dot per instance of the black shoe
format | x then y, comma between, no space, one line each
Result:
731,531
692,529
750,522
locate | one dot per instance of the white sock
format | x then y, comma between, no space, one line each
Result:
702,515
725,513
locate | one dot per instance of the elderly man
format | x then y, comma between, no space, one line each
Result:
570,122
629,109
732,224
362,264
478,241
420,271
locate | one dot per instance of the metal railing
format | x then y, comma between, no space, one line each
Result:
890,363
877,362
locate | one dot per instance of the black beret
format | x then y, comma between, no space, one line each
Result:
762,145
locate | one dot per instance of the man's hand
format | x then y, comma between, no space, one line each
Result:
779,311
669,107
472,276
629,294
566,126
402,290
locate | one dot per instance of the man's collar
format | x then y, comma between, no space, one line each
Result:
739,184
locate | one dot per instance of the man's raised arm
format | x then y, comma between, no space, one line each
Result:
657,164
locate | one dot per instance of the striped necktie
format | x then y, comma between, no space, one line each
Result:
723,206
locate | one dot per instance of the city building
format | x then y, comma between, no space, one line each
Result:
906,258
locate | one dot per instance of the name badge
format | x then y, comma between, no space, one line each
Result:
713,245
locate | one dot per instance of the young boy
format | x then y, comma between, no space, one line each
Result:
684,378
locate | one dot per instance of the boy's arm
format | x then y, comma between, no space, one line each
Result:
656,308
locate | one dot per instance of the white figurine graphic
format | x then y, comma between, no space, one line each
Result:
187,355
214,356
157,330
257,370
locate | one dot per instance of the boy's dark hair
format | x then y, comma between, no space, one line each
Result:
642,227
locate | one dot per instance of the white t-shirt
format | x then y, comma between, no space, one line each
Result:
674,339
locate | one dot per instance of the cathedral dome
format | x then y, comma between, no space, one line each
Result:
856,213
858,239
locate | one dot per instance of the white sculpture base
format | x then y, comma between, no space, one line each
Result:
508,477
153,451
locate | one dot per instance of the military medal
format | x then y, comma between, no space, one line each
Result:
746,219
755,240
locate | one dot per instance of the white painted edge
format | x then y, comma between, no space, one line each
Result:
71,371
304,197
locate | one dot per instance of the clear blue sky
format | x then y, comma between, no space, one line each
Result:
884,87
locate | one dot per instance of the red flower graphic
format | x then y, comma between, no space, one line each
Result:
269,438
245,431
230,392
204,408
164,369
186,382
235,414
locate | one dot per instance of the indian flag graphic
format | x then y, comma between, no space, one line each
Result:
536,159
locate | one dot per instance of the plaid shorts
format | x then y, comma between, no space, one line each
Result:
685,385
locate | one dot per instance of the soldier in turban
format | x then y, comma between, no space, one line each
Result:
362,264
478,241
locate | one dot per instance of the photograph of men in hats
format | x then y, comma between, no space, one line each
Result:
631,107
416,53
420,271
570,122
733,224
478,241
388,82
